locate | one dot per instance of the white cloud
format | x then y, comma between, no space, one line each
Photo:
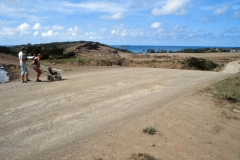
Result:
7,32
47,34
72,31
220,11
172,7
23,27
156,25
35,33
160,30
92,35
37,26
56,27
236,14
115,16
103,30
113,31
16,9
135,33
109,7
117,29
124,33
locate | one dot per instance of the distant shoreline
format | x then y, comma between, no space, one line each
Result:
144,48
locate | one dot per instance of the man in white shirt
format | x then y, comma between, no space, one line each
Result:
22,59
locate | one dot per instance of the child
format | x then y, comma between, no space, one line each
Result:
51,71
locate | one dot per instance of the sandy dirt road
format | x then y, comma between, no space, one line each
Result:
49,120
232,67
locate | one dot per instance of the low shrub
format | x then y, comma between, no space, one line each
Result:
142,156
149,130
199,63
69,54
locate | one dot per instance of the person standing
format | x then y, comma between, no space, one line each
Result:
22,59
36,65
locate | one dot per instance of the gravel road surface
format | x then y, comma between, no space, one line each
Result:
39,118
232,67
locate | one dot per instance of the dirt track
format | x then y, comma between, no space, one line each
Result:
51,119
232,67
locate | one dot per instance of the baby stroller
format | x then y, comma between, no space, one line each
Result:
53,75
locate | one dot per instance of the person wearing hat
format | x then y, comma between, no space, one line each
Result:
22,59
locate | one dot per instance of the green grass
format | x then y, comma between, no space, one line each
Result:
228,89
226,94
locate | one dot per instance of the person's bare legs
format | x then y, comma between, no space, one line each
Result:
24,73
38,73
22,78
27,77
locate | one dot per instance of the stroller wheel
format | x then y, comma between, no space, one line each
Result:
48,77
60,77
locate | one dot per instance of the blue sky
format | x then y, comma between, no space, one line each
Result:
121,22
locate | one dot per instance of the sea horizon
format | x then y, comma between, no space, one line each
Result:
144,48
156,48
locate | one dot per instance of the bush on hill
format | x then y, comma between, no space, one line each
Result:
54,50
204,50
4,49
199,63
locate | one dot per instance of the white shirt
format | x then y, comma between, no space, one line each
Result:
21,56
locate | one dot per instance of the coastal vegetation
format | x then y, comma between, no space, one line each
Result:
198,50
123,50
57,49
226,94
204,50
159,51
54,50
4,49
88,53
199,63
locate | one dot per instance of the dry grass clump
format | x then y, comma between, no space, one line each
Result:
142,156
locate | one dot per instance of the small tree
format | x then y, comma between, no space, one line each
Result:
150,51
200,63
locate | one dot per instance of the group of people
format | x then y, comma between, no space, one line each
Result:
36,65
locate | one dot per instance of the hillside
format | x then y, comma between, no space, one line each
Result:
95,54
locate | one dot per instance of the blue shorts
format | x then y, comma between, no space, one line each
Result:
24,68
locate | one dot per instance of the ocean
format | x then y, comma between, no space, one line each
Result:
144,48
